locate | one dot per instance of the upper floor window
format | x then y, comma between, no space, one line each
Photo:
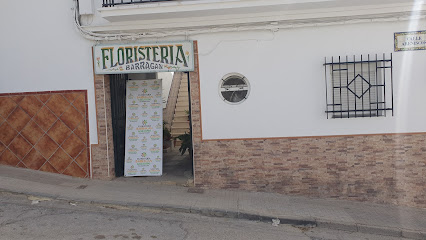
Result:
359,86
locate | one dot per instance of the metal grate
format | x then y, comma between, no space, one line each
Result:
359,87
118,114
112,3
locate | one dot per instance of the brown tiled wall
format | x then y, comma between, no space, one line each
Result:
103,152
375,168
46,131
382,168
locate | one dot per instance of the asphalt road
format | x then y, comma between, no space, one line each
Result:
27,217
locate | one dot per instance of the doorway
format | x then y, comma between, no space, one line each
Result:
177,167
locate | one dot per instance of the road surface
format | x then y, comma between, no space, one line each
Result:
27,217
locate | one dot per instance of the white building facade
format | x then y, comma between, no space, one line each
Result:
320,98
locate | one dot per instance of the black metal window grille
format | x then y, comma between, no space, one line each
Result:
359,87
112,3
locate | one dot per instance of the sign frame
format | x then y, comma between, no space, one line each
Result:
143,65
415,34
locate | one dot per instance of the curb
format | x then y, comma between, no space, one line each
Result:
210,212
375,230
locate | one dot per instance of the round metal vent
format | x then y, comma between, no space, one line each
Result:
234,88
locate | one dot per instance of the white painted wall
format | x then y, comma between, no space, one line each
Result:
286,74
167,79
42,51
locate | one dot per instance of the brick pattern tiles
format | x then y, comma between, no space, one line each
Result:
387,169
46,131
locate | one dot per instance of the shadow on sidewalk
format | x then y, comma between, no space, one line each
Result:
177,171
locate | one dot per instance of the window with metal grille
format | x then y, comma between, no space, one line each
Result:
359,86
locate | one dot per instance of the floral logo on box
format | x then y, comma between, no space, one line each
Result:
133,150
155,136
133,106
144,129
155,104
133,137
133,87
133,118
144,97
155,149
131,171
142,162
154,170
155,85
155,117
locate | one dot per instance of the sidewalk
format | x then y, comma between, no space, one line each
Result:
336,214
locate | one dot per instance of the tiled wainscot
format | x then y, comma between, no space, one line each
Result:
46,131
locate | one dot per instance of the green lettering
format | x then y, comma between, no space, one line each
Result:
136,53
164,54
182,55
111,51
120,53
129,55
140,50
148,56
104,57
171,54
154,53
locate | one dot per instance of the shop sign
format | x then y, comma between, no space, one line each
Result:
410,41
144,58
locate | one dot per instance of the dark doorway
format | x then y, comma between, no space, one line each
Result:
118,115
177,168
